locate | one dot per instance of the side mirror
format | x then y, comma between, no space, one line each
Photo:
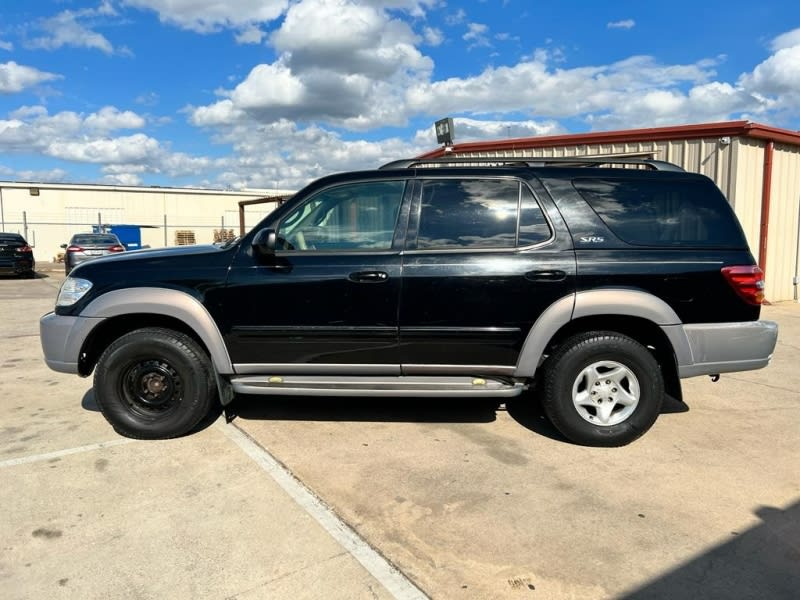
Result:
265,242
63,245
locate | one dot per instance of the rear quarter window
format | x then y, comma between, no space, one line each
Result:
651,212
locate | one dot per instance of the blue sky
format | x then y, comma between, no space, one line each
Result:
273,93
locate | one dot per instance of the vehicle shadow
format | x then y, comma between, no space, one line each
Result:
527,410
88,402
761,562
36,275
390,410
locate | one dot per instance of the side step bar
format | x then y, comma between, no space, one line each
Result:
326,385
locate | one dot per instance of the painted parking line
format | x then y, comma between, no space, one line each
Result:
23,460
397,584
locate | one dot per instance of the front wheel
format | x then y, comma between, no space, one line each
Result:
154,383
602,389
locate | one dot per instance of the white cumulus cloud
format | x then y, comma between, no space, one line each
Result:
73,28
624,24
206,16
109,118
15,78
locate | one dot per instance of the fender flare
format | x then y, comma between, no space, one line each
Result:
170,303
606,301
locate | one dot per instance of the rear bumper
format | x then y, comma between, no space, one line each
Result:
62,339
16,267
712,348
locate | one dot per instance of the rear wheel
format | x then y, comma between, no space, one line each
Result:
154,383
602,389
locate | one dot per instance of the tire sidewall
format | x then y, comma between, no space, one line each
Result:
561,378
194,402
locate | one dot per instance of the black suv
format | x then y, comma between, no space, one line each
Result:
451,277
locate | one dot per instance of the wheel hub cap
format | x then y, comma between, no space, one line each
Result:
605,393
152,386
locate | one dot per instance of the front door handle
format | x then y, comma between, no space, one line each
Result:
368,276
554,275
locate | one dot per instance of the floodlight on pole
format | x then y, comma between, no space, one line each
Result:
444,132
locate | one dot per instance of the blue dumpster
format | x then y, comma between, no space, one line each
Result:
129,236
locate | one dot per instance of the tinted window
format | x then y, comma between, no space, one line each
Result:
94,239
533,227
357,216
474,213
663,213
7,238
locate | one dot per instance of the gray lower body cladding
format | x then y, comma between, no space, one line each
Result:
713,348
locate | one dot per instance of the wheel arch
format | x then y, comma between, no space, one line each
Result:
126,310
634,313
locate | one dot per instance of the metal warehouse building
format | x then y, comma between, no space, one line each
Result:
49,214
756,166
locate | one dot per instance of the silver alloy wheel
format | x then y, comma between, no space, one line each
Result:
605,393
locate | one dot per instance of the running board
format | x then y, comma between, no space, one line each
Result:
325,385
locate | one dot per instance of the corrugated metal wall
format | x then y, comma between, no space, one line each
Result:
737,166
782,241
745,193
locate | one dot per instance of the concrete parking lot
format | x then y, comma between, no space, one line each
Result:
439,498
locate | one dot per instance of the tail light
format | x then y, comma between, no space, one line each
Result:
116,248
74,248
24,249
747,281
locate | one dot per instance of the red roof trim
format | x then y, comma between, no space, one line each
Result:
725,128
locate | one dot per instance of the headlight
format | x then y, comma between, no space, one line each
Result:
72,290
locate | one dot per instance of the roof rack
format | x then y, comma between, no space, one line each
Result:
533,161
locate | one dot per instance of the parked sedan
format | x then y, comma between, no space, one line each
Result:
16,256
86,246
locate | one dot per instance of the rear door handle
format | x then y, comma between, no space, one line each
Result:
368,276
554,275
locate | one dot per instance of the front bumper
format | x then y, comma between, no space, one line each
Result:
62,338
713,348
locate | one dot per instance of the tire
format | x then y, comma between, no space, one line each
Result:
602,388
154,383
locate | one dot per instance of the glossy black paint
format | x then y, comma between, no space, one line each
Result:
690,281
312,307
200,271
477,308
420,307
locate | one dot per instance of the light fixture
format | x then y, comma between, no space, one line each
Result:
444,131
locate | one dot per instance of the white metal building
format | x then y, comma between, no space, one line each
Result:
49,214
756,166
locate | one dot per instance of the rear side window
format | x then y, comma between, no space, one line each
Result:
650,212
479,213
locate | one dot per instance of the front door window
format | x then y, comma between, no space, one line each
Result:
353,217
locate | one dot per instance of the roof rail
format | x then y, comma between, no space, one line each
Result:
533,161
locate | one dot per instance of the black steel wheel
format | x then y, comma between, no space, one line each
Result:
602,388
154,383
